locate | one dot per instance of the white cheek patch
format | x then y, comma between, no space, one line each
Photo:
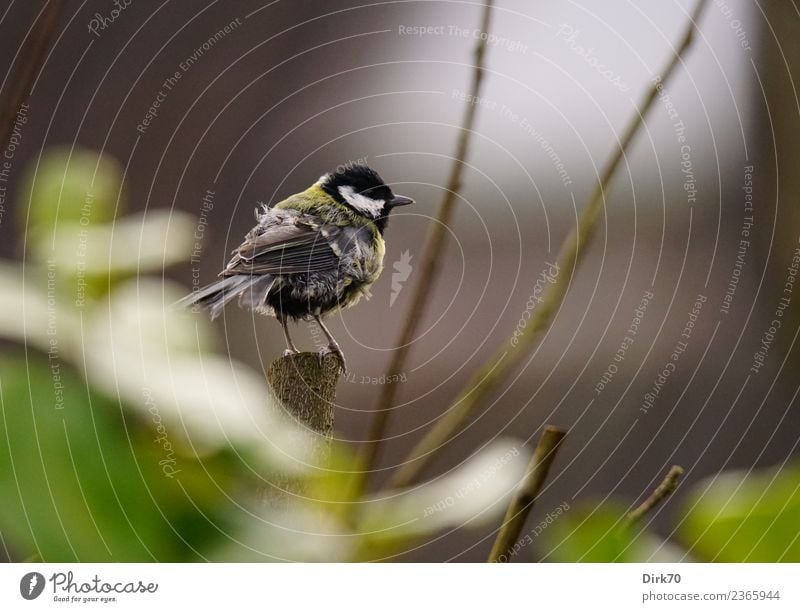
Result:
362,203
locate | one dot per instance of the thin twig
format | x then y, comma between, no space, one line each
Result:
22,80
431,258
662,491
522,503
507,359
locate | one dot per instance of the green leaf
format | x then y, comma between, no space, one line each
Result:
593,534
70,186
590,534
81,482
597,533
740,517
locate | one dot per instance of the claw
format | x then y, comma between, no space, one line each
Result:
290,352
333,350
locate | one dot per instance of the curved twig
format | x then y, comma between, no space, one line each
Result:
431,259
522,503
664,490
502,363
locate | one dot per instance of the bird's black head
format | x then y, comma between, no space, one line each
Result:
362,189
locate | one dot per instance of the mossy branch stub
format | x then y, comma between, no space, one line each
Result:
305,385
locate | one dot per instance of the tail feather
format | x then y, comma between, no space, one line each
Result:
251,291
254,296
208,292
218,301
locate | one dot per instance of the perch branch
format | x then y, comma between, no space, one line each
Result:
505,360
431,259
32,58
306,388
529,488
662,491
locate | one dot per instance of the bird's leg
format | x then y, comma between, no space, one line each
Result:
333,346
291,348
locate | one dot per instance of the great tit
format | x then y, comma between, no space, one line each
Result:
311,254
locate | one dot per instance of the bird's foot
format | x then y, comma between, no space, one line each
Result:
290,352
333,349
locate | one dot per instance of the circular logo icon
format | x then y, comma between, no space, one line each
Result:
31,585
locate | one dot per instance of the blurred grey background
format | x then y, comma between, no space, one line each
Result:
296,88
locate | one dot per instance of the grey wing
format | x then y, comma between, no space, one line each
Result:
296,245
287,244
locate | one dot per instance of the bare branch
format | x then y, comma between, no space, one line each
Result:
526,495
32,59
664,490
431,259
507,359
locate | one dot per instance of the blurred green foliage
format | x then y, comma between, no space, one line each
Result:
101,473
735,516
740,516
125,437
71,186
88,482
592,535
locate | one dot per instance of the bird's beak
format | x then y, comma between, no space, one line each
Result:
399,200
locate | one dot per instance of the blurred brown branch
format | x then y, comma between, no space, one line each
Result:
431,258
522,503
507,359
663,491
32,58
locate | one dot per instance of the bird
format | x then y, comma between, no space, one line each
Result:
310,255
